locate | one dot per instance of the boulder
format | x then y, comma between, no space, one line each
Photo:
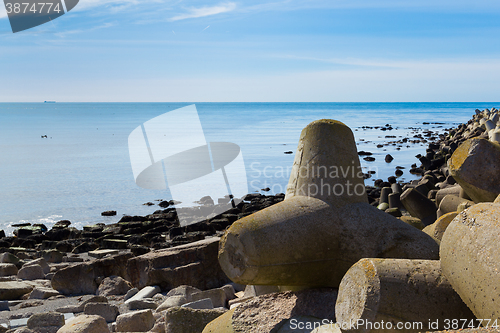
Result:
43,293
186,320
85,324
81,278
40,261
172,301
12,290
8,258
217,296
193,264
397,291
8,269
138,321
31,272
48,322
107,311
267,313
475,165
470,258
113,285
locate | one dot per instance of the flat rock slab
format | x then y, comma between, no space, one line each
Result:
10,290
195,264
101,253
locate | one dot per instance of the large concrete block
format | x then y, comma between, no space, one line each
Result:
475,165
306,242
323,226
326,165
470,258
419,206
393,291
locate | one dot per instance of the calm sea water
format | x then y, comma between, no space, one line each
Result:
83,168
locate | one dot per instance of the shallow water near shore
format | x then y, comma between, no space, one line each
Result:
83,168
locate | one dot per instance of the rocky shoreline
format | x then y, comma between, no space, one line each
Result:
149,274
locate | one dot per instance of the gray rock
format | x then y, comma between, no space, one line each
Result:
146,292
172,301
8,269
205,303
32,272
186,320
138,321
40,261
217,296
46,322
195,264
81,278
53,256
43,293
107,311
141,304
113,285
85,324
11,290
130,293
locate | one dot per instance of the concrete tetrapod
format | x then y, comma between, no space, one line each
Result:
326,165
313,240
389,295
470,258
475,165
306,242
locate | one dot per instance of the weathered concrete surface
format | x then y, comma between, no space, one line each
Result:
397,290
450,203
193,264
268,313
326,165
306,242
438,228
419,206
470,256
475,165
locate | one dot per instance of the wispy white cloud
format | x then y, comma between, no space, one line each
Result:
195,12
77,31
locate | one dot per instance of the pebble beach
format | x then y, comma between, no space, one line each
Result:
418,246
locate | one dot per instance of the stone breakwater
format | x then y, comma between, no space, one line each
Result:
418,256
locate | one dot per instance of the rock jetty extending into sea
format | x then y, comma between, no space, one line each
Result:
330,255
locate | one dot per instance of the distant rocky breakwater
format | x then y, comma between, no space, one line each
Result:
419,252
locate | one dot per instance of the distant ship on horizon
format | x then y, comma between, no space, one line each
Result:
49,101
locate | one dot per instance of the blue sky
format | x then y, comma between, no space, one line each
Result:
277,51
